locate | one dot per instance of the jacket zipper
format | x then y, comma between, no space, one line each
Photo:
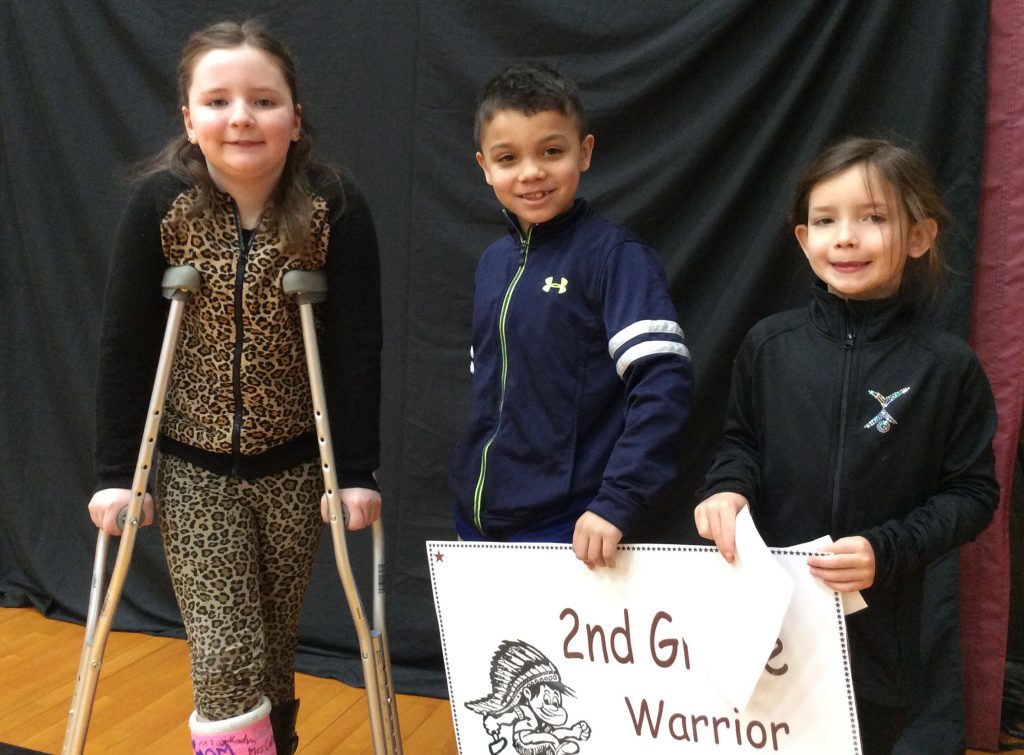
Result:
236,367
478,493
848,346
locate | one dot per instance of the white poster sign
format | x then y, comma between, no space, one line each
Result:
545,656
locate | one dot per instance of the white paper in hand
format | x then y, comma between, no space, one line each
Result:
749,599
852,601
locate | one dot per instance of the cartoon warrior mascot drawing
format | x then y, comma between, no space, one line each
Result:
526,694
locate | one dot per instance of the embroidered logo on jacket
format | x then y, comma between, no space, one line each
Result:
549,283
883,421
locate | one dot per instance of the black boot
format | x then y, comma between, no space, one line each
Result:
282,719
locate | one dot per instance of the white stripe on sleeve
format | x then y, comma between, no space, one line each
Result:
640,328
646,348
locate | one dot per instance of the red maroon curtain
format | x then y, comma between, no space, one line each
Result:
997,324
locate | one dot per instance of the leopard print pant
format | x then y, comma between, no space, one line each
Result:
240,554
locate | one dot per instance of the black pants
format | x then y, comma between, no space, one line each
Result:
880,727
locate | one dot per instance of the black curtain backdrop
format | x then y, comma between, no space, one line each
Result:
703,113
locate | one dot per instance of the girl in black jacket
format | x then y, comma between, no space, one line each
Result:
854,417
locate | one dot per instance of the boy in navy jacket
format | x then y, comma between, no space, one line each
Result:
581,378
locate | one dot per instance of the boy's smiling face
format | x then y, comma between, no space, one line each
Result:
533,162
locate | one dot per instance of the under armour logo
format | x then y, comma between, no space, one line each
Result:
549,283
883,421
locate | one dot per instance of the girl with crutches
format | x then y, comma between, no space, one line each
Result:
240,197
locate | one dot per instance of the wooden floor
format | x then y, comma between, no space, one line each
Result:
144,697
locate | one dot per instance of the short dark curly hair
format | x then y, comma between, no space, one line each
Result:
529,88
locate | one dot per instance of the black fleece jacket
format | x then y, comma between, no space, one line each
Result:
857,418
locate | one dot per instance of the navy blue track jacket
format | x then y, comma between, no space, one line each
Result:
581,382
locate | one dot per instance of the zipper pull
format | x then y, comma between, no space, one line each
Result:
524,246
848,323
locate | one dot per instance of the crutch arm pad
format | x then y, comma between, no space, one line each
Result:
181,281
307,285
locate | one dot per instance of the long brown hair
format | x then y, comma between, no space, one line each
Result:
290,203
913,188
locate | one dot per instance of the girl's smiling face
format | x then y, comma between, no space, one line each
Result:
241,114
857,239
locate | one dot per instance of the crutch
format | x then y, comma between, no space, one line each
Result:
179,283
308,288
